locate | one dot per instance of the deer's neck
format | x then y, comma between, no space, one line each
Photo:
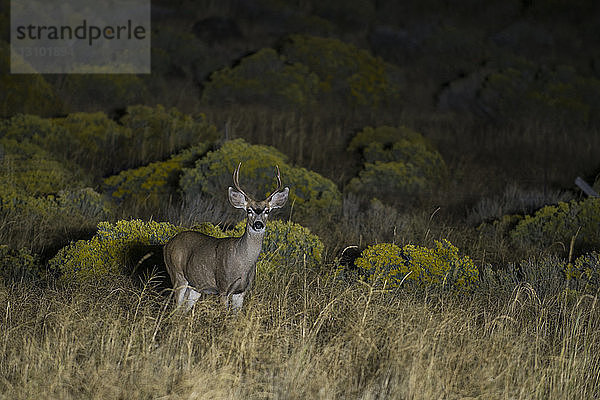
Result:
251,243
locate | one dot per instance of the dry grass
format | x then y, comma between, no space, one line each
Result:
298,337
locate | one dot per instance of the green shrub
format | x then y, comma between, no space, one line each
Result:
263,77
31,171
387,136
310,193
524,89
158,132
558,224
16,265
307,71
90,140
101,145
584,273
142,135
399,162
348,75
154,183
288,246
440,266
388,181
94,141
109,252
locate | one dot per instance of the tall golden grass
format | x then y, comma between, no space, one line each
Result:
300,336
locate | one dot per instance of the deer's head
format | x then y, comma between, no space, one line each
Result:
257,211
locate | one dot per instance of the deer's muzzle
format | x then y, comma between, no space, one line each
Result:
258,225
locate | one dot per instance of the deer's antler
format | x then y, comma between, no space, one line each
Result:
236,177
279,185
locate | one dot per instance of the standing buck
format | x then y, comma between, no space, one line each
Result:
201,264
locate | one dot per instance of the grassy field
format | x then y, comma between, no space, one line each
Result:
300,336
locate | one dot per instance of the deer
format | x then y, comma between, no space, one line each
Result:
199,264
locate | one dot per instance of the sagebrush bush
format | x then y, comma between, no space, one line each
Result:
399,162
154,183
554,226
101,145
289,246
387,136
523,89
310,193
307,71
439,266
30,170
347,75
158,132
107,252
18,265
263,77
584,273
110,251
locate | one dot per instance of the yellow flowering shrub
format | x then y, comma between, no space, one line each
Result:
584,273
108,252
559,223
310,193
154,183
440,266
399,162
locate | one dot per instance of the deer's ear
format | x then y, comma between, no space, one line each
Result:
278,199
237,199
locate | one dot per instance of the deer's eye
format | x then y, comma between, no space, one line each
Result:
250,211
267,210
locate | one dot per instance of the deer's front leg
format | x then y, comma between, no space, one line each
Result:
191,297
237,300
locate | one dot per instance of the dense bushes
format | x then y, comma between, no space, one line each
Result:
107,252
584,273
17,265
399,162
101,145
394,265
154,183
310,193
558,224
263,77
347,75
110,251
307,70
524,89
